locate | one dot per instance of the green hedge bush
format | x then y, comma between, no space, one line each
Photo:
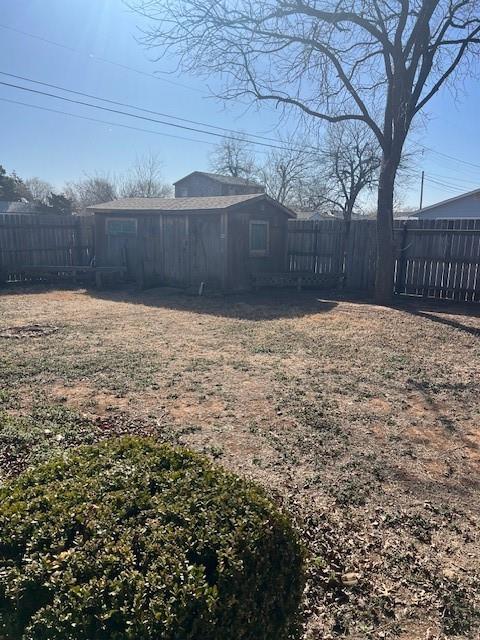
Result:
131,539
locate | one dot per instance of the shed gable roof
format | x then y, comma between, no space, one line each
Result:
191,205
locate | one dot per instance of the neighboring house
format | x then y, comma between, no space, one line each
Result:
6,206
222,241
316,215
199,184
466,205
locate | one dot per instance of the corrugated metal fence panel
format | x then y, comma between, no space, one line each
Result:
43,240
433,258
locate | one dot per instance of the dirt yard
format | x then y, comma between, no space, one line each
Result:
362,421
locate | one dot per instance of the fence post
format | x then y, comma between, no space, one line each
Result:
315,249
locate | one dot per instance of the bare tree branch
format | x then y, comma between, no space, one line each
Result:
234,158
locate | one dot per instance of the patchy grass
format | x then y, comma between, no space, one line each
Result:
47,429
362,420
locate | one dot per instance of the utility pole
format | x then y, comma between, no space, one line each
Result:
421,190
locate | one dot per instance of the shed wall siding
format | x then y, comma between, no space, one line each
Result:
241,265
203,186
186,249
206,251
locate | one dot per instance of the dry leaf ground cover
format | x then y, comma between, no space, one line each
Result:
363,421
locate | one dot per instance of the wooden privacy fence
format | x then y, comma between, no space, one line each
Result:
31,242
320,246
433,258
439,259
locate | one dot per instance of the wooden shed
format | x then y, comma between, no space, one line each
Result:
222,241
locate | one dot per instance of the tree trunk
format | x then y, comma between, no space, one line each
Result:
385,245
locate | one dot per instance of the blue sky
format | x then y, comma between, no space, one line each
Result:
60,148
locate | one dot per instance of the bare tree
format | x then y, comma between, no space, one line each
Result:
287,172
145,180
38,190
370,61
349,165
91,190
234,157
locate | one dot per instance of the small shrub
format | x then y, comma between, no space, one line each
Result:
131,539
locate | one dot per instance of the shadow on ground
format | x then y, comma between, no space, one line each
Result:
267,304
272,304
256,306
434,314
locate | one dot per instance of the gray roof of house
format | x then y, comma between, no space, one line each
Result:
234,180
173,205
6,206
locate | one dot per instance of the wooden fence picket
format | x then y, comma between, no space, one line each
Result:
33,241
433,258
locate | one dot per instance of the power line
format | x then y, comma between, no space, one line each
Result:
180,119
444,184
445,155
455,181
441,165
142,109
107,122
450,185
434,183
134,115
446,187
453,188
96,58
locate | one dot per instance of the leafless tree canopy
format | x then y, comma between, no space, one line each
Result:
378,62
333,60
91,190
234,157
145,180
284,171
349,165
330,173
287,173
38,189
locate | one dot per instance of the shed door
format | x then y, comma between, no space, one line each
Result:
207,257
121,240
175,233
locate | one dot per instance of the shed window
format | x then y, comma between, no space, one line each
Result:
121,226
259,232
